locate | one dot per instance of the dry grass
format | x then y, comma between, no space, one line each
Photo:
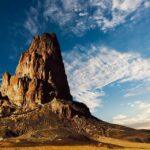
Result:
125,144
128,146
115,143
58,148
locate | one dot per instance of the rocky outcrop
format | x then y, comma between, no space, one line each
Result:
40,75
6,108
68,109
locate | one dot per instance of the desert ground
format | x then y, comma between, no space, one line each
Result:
104,144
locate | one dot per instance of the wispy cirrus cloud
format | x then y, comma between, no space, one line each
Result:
79,16
141,120
138,90
89,69
31,23
34,21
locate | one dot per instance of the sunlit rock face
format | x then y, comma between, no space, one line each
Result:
68,109
40,75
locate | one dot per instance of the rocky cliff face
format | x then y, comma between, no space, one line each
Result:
40,75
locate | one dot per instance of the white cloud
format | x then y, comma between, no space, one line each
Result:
141,125
126,5
120,10
140,89
147,4
141,120
31,23
89,69
34,21
119,118
78,16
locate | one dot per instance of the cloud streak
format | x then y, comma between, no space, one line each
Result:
140,89
90,69
31,23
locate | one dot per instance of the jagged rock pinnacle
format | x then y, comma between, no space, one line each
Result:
40,75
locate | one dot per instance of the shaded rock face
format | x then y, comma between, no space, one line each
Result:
6,109
40,75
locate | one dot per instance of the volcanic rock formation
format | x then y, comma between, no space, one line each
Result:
39,77
36,103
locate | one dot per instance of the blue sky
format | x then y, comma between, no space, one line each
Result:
105,46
